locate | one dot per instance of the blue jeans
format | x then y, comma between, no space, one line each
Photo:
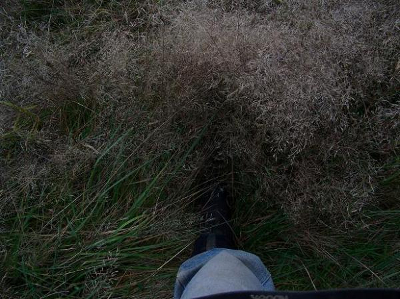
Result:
221,270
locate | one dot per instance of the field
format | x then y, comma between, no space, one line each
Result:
113,114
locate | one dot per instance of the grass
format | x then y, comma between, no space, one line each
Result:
113,231
363,254
110,112
327,258
96,234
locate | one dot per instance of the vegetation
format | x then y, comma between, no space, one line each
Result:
112,112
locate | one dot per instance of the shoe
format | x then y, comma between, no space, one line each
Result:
216,231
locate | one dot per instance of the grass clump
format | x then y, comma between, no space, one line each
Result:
64,240
111,111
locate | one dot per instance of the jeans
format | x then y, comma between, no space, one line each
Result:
221,270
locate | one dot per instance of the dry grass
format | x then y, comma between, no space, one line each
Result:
308,92
305,92
298,103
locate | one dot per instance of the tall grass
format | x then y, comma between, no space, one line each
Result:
110,230
327,257
110,112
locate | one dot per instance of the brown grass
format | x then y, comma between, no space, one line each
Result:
295,104
301,97
304,99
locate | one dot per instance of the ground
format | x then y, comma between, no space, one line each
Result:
113,114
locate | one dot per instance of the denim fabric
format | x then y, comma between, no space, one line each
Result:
192,266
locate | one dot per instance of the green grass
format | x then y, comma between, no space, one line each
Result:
328,258
363,253
97,234
89,15
52,12
113,230
77,117
116,221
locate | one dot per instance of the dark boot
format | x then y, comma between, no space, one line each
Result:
216,231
